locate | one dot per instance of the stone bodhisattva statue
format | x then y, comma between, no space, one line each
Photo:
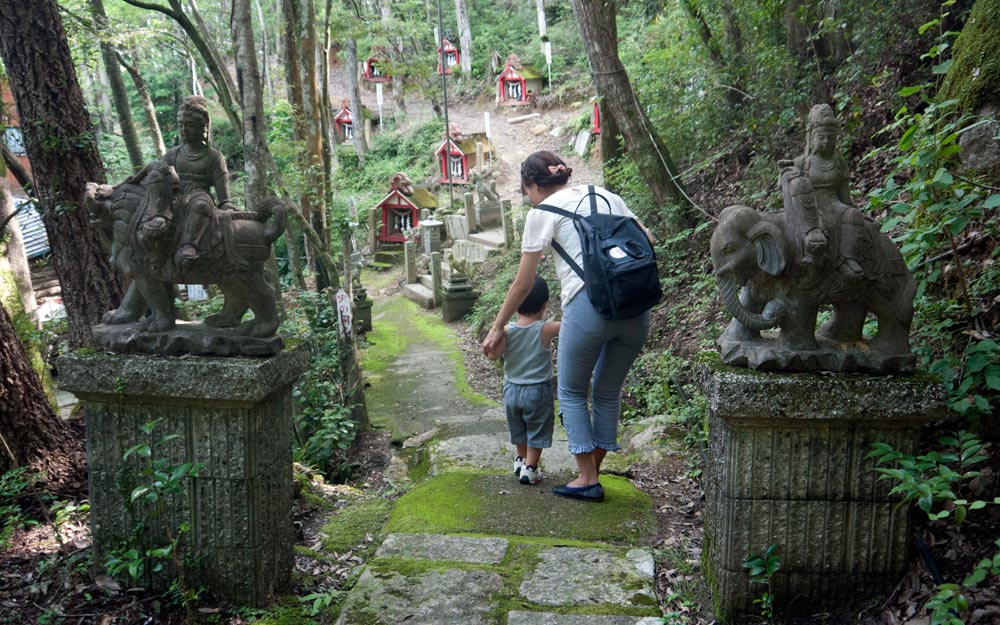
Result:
779,270
164,226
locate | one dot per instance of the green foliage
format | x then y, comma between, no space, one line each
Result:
929,210
15,485
936,479
324,422
761,569
152,485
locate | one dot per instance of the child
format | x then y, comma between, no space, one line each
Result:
527,390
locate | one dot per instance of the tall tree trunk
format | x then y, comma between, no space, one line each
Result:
209,55
213,48
464,38
117,84
104,100
148,108
313,136
595,19
60,143
96,94
251,104
734,92
13,254
265,61
293,82
354,89
29,426
542,27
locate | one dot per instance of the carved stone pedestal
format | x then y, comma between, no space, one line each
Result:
457,298
787,466
232,415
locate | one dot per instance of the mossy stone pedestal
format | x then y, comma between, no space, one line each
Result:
232,415
787,466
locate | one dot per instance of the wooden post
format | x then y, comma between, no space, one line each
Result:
410,261
374,225
479,156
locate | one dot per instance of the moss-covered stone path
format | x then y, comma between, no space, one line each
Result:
467,544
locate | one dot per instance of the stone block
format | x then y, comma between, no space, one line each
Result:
787,466
448,548
455,305
606,577
233,417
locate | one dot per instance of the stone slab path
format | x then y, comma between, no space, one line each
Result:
469,545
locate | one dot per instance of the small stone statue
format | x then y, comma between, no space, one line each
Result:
165,227
820,251
486,187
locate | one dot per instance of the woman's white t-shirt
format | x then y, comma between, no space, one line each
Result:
541,227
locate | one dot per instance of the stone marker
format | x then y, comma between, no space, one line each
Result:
457,227
507,223
436,278
410,261
581,142
430,235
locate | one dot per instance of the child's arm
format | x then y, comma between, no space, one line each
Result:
550,331
498,350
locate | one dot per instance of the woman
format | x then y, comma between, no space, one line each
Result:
590,347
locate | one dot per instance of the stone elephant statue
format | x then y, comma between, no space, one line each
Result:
141,223
852,267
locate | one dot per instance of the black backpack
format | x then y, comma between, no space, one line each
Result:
619,264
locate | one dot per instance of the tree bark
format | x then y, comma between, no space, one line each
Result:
148,108
354,91
119,95
20,173
313,137
15,256
464,38
60,143
29,426
251,103
293,82
595,19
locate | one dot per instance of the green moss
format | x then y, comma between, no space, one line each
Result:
307,552
312,501
347,529
286,615
484,503
974,76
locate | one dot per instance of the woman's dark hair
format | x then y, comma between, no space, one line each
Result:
544,169
536,299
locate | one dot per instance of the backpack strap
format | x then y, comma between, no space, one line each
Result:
558,248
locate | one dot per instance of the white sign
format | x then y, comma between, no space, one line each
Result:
409,233
344,314
196,293
548,53
468,251
486,120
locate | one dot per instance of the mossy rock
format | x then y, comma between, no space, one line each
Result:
347,529
490,504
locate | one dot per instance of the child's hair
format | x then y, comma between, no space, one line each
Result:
544,169
536,299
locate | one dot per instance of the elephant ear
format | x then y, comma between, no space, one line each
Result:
766,240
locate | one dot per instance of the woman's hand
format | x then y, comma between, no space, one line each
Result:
492,342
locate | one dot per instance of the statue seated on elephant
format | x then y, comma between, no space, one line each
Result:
793,264
143,221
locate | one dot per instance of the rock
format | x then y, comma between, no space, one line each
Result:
586,576
557,131
580,145
540,129
437,547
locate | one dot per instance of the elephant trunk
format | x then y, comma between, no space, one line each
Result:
729,291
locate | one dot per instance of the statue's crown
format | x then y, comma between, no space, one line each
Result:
822,115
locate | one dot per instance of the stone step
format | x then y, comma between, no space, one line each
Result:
425,280
491,239
420,294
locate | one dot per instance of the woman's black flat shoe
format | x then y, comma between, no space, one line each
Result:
594,492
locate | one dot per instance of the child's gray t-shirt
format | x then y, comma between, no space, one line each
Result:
526,360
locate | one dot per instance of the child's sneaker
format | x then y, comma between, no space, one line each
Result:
518,465
530,475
